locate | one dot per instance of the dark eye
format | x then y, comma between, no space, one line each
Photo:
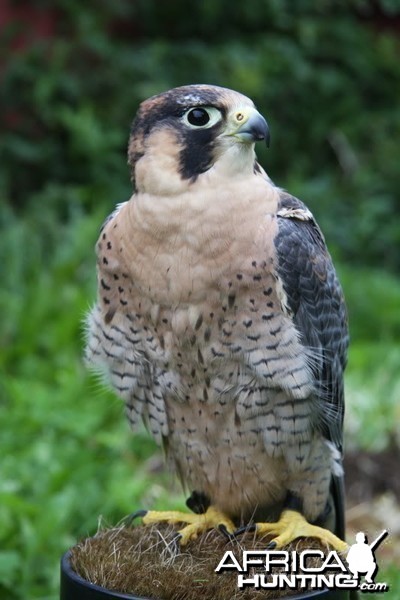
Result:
202,116
198,117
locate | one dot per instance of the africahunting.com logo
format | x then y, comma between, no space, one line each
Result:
280,569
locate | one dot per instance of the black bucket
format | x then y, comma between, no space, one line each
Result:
73,587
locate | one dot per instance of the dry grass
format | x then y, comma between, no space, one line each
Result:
145,561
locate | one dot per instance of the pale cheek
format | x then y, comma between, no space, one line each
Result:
158,175
157,171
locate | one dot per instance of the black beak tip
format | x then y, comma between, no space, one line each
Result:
266,134
262,132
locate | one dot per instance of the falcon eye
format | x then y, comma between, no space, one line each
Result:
202,117
198,117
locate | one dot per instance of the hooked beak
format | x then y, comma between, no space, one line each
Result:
252,126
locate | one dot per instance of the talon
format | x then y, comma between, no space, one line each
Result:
135,515
223,529
271,545
245,529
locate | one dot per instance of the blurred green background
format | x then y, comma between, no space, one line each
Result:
326,75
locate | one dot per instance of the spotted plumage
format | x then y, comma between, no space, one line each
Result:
220,320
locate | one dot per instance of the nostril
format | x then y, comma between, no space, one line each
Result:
239,116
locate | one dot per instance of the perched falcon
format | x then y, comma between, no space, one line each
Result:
221,323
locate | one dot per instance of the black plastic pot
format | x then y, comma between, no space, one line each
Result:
73,587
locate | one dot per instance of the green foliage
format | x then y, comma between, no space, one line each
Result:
326,79
372,394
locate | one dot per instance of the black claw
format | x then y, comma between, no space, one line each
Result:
222,528
271,546
139,513
245,529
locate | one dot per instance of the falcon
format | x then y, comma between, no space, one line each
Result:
221,323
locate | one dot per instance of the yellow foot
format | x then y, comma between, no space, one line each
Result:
196,524
293,525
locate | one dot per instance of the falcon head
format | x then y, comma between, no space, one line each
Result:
192,133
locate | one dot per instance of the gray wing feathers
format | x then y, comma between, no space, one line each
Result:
316,301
